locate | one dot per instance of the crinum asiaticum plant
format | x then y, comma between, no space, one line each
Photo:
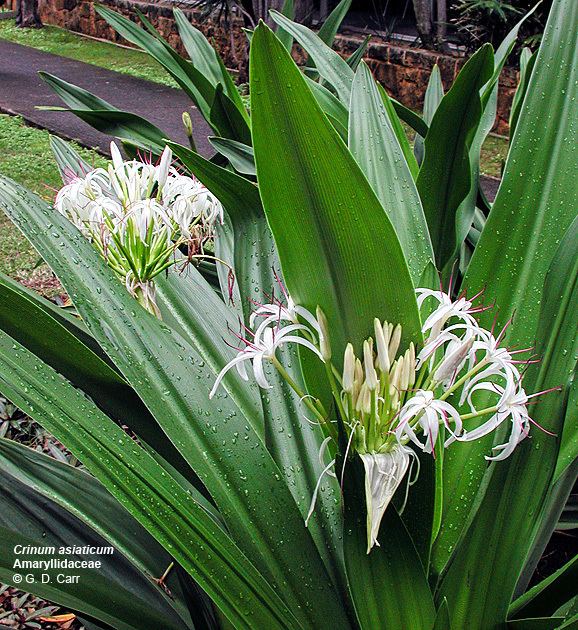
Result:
341,437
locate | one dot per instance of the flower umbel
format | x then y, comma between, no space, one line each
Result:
136,214
390,397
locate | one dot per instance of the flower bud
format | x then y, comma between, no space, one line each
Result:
324,344
348,369
117,160
453,361
188,123
382,347
363,404
394,342
411,364
163,169
370,373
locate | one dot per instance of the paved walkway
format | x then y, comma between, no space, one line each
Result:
21,90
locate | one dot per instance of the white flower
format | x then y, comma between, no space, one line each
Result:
427,413
511,404
277,312
497,361
447,309
383,474
190,203
265,342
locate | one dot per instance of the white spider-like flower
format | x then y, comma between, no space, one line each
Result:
429,414
461,309
277,312
191,203
265,342
512,404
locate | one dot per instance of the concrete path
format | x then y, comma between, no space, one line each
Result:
21,90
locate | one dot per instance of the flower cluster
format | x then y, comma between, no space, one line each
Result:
136,214
460,385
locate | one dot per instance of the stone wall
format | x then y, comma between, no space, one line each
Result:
403,70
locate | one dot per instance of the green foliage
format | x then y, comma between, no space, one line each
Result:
321,189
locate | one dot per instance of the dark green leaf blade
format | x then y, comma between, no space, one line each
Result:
389,587
536,204
331,232
374,144
444,177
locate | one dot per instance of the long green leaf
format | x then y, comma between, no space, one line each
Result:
329,64
536,204
174,382
389,587
140,484
239,155
499,538
105,117
58,486
548,595
206,59
331,25
332,238
433,96
374,145
444,177
191,80
527,61
395,122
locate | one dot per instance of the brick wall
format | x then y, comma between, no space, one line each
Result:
404,71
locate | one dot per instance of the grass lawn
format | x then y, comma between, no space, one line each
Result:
25,156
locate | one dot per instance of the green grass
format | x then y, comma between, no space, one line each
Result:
104,54
25,156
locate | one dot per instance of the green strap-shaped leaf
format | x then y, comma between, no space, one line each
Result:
191,80
444,177
288,10
142,487
336,244
239,155
65,489
226,117
433,96
536,623
527,61
496,544
395,122
328,63
548,595
415,121
174,381
329,103
190,305
105,117
536,204
331,25
388,586
376,149
355,58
